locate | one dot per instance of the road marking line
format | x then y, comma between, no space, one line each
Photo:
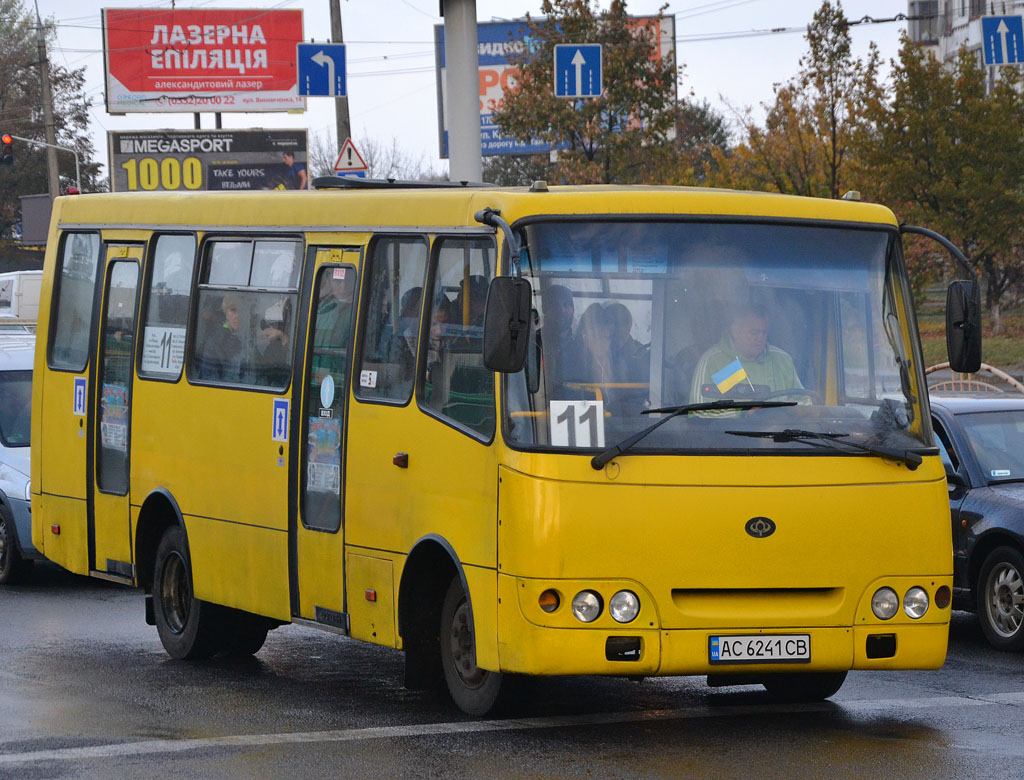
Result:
512,724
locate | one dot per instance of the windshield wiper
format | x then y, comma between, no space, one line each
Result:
836,441
598,461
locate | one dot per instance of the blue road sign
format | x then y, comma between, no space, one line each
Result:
321,69
578,70
1002,39
280,427
356,174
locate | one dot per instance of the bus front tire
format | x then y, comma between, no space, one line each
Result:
1000,592
187,626
805,687
475,691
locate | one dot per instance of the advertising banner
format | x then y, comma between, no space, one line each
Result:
201,60
169,160
495,41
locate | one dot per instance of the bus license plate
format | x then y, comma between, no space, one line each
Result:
759,649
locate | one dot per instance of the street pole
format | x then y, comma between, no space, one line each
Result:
51,139
344,127
52,149
462,80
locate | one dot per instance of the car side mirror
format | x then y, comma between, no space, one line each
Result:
953,477
507,324
963,326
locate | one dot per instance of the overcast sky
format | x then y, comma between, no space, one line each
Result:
391,81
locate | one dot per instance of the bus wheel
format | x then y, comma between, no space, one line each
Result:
803,687
12,567
187,626
1000,593
475,691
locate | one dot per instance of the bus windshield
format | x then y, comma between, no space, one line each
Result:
633,319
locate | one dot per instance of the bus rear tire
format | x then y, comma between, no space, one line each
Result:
808,687
188,627
475,691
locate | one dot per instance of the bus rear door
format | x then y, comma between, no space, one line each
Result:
109,440
317,535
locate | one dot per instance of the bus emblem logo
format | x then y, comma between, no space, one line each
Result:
760,527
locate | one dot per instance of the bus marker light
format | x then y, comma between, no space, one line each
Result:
371,595
942,596
55,529
549,601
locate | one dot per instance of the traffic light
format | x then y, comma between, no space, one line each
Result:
7,151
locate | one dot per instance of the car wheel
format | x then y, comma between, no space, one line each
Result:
475,691
1000,594
12,567
189,628
806,687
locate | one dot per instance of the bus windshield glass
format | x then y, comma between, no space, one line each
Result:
633,319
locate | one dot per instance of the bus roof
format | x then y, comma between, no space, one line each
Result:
428,208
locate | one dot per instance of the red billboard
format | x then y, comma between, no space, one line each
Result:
201,60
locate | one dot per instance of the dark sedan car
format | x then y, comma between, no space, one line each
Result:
981,439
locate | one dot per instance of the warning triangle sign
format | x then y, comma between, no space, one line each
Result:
349,161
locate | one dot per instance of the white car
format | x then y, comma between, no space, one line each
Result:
16,550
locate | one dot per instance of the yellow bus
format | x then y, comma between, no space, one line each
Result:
528,431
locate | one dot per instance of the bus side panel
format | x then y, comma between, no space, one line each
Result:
221,552
60,532
448,491
212,449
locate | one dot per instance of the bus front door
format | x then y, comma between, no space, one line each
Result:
110,550
317,548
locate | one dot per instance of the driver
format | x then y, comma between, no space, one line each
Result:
743,364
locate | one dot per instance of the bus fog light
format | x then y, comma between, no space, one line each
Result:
915,603
624,606
884,603
586,606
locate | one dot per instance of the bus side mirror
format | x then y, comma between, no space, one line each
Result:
507,324
963,326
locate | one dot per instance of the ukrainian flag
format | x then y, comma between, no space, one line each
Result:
729,377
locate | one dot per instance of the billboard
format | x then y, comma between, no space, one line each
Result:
495,41
201,60
183,160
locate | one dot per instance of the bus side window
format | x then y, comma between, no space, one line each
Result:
455,384
166,307
69,339
244,332
391,323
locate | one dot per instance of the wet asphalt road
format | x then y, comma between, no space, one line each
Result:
86,691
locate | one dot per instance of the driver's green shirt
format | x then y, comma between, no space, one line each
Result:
773,369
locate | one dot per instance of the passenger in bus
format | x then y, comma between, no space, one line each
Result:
402,349
743,363
554,338
222,351
436,338
630,364
469,306
593,346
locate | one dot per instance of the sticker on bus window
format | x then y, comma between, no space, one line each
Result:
327,392
323,456
114,417
577,423
163,351
280,424
339,273
368,379
78,405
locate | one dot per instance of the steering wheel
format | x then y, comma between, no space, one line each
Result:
815,398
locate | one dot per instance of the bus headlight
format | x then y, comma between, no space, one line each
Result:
624,606
586,606
884,603
915,603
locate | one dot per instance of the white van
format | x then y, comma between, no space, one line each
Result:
19,301
16,550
